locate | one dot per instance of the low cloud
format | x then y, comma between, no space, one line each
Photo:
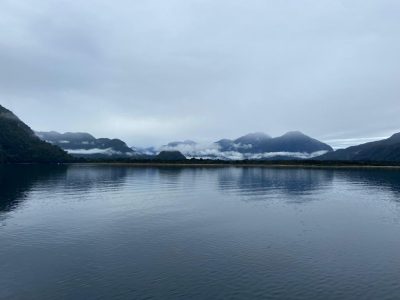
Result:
108,151
344,143
213,151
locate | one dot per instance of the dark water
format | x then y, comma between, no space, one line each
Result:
93,232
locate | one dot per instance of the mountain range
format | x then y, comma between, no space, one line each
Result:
293,141
292,145
83,144
19,143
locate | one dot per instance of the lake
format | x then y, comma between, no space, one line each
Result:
120,232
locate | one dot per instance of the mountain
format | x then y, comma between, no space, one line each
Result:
225,145
258,145
387,150
252,142
295,141
18,143
170,155
85,145
292,142
255,139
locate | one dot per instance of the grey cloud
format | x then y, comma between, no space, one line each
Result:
154,71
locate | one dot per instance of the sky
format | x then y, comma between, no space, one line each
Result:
154,71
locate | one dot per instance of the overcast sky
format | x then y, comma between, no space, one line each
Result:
153,71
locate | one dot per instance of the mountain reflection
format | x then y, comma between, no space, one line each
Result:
16,181
87,177
383,179
262,181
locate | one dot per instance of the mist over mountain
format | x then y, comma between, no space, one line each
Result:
18,143
292,145
256,140
387,150
293,141
184,143
260,146
83,144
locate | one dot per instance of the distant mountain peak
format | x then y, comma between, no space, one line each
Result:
395,137
170,155
85,144
80,135
292,134
54,136
261,143
258,134
255,136
224,141
253,139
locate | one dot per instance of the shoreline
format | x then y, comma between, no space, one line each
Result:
235,165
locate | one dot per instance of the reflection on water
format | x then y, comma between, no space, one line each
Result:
260,183
383,179
16,182
255,183
107,232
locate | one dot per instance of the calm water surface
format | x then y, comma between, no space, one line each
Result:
107,232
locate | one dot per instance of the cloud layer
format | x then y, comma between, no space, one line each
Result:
153,71
214,151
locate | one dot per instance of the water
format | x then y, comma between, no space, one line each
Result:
107,232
